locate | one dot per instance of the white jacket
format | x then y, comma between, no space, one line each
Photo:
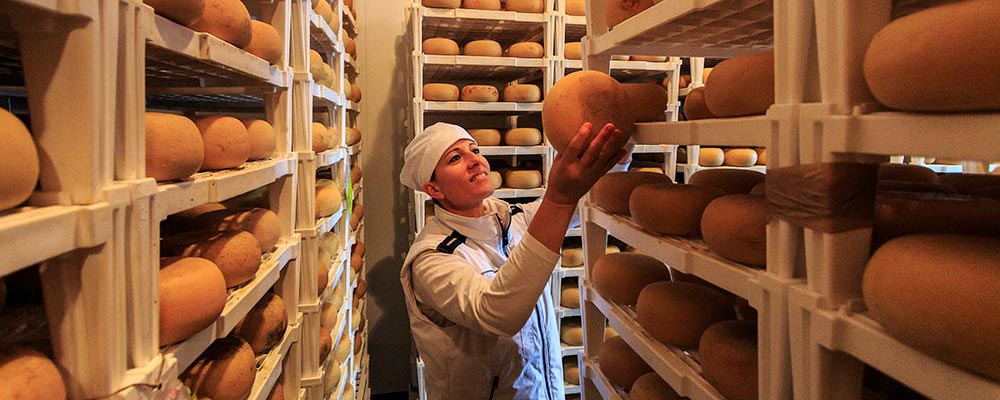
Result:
481,318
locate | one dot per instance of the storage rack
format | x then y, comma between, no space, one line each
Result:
94,225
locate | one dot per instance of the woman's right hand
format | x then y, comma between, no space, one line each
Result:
586,159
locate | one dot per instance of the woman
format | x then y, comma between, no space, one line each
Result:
474,278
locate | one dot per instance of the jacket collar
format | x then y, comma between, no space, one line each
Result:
477,228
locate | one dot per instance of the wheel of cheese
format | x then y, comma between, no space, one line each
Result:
328,316
440,92
522,93
572,257
730,181
523,179
570,332
325,343
331,379
355,93
343,349
486,137
353,136
620,364
584,96
192,296
263,142
225,371
938,293
526,6
728,355
694,105
174,150
316,64
228,20
759,189
493,5
918,36
321,140
236,253
329,198
441,3
496,179
620,277
617,11
646,101
571,372
684,81
183,12
29,374
441,46
677,313
227,142
264,325
612,191
570,296
968,183
761,156
357,262
262,223
740,157
906,172
361,289
480,93
526,49
651,387
648,58
523,137
743,85
902,214
485,48
735,227
337,298
265,42
356,175
357,214
576,7
573,51
711,156
350,46
657,170
669,209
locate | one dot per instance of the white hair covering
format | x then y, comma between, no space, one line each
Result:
423,153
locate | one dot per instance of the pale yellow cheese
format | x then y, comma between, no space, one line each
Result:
572,257
321,140
440,92
441,46
711,156
523,137
571,372
522,93
573,51
523,179
328,316
526,49
570,332
343,349
225,371
265,324
174,150
496,179
740,157
192,296
576,7
228,20
486,48
570,296
324,10
227,142
353,136
329,198
486,137
480,93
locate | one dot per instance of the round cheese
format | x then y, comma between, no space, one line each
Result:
325,343
651,387
694,105
740,157
735,227
761,156
337,298
350,46
343,349
355,93
906,173
496,179
323,9
573,51
485,48
572,257
321,140
486,137
570,296
174,150
576,7
29,374
571,372
938,293
192,296
620,364
670,209
523,179
236,253
482,4
648,58
523,137
683,82
263,142
677,313
617,11
526,6
357,214
329,198
525,49
265,42
730,181
619,58
265,324
646,101
353,136
728,355
225,371
328,316
522,93
742,85
441,3
262,223
480,93
356,176
361,289
316,64
968,183
657,170
228,20
183,12
329,242
441,46
902,214
613,190
331,379
584,96
759,189
570,332
892,77
227,142
711,156
620,277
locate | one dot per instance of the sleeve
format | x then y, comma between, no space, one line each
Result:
458,291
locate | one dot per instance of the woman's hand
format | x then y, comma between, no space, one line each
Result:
585,160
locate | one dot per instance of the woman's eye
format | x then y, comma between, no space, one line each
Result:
475,151
454,159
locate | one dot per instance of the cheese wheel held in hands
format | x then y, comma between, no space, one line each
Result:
677,313
669,209
493,5
192,296
612,191
523,137
728,354
228,20
236,253
620,277
486,137
225,371
522,93
29,374
584,96
523,179
263,142
484,48
735,227
742,85
227,142
526,49
265,42
620,363
174,150
480,93
265,324
441,46
526,6
441,92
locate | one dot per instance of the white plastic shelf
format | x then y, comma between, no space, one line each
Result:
249,99
513,150
571,389
670,363
563,312
568,350
355,149
465,25
212,186
324,96
352,106
477,68
591,370
177,56
330,157
31,235
507,193
654,148
351,63
683,92
500,107
629,70
574,232
350,24
238,304
322,37
694,28
685,255
55,7
691,169
270,368
745,131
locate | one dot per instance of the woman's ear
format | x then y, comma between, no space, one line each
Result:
433,191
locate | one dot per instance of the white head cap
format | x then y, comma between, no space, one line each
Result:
423,153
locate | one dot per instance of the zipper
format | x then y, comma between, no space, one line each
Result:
493,388
545,352
503,236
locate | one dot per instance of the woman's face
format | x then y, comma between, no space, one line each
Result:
461,177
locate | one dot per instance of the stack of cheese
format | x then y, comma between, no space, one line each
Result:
177,147
527,6
228,20
740,86
324,137
353,136
322,73
329,198
732,157
482,48
19,165
357,258
511,137
329,247
522,178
